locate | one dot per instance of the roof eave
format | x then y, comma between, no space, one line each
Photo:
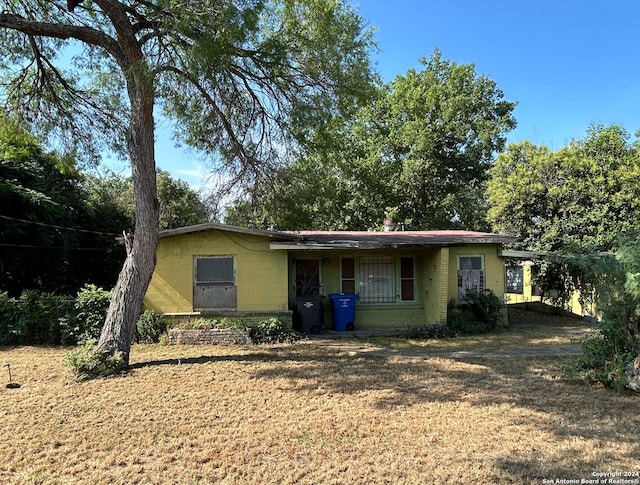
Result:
215,226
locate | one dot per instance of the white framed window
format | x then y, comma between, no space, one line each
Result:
215,283
471,275
515,279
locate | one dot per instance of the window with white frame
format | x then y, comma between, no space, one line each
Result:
215,283
379,279
515,279
471,277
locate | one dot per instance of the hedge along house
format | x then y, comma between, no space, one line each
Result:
402,278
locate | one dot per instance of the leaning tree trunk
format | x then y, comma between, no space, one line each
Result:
132,284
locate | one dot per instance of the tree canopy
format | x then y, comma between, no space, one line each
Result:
586,193
243,80
582,198
53,238
59,224
420,152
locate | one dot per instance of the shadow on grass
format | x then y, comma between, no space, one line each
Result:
561,407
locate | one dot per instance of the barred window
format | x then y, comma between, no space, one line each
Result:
515,279
471,277
377,280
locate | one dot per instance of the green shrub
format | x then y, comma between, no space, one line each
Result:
206,323
274,330
606,355
86,323
232,323
34,318
480,314
197,323
88,362
150,327
426,332
600,363
9,333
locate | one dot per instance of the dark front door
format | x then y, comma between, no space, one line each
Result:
307,277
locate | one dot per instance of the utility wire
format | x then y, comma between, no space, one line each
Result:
60,227
67,248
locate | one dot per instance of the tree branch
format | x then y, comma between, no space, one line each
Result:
62,31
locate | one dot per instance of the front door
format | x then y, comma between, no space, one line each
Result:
307,277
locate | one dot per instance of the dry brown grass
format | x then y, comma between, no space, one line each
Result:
309,413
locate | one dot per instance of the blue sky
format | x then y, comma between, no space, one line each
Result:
567,63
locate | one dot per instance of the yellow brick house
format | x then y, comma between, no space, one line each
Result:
400,278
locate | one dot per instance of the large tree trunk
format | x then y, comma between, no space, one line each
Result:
136,273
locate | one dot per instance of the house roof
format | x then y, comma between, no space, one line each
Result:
352,239
394,239
215,226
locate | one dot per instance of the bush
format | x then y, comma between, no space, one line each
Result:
9,333
88,362
206,323
600,363
232,323
150,327
34,318
274,330
86,323
607,354
426,332
481,314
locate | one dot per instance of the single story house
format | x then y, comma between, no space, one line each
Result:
401,277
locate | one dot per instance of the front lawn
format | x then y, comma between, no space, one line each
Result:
309,413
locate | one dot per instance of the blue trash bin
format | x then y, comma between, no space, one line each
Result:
344,310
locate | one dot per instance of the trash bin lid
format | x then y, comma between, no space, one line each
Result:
337,296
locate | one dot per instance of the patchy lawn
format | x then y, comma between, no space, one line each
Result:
314,413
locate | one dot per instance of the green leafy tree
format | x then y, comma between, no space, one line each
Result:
420,151
50,242
583,196
112,196
179,204
242,80
585,193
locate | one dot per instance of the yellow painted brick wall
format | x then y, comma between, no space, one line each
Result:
388,316
261,274
434,273
431,290
493,267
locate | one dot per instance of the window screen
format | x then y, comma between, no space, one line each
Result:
214,270
215,286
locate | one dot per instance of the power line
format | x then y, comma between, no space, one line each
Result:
67,248
60,227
